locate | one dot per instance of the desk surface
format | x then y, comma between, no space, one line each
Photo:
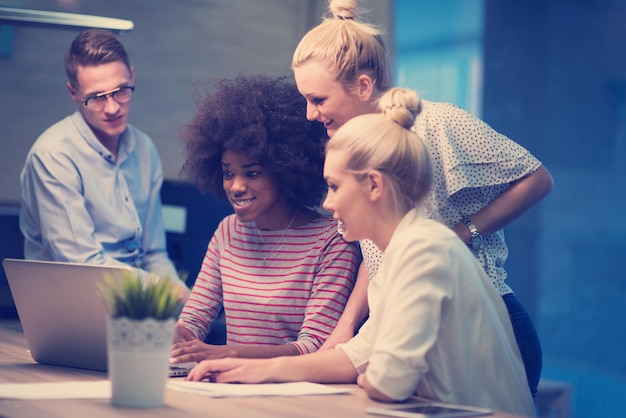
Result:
16,365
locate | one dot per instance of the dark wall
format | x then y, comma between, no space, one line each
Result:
11,246
514,94
203,214
554,81
173,46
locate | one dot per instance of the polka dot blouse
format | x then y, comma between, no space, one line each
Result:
473,164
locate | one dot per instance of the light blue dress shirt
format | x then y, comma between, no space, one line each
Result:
80,204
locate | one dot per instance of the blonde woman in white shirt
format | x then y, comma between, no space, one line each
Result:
437,328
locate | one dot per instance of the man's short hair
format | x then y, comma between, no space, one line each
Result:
93,47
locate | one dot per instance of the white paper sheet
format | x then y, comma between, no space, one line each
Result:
218,390
101,389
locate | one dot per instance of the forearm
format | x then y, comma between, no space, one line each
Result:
355,312
510,205
330,316
356,308
187,349
330,366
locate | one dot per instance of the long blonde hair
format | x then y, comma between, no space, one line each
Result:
348,46
385,142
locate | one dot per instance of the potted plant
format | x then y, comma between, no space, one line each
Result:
139,337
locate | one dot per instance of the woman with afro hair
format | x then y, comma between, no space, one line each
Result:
276,266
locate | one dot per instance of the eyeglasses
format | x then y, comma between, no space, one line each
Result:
121,94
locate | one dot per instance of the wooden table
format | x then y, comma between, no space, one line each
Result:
16,365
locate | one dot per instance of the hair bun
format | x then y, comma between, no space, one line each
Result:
345,9
400,105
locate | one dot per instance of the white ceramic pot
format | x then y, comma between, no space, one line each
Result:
138,360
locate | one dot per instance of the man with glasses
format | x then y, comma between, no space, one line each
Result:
91,182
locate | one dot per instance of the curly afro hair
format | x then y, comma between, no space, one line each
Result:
262,117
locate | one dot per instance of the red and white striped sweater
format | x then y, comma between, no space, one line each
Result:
296,295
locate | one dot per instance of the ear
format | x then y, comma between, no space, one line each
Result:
366,87
132,75
73,93
375,184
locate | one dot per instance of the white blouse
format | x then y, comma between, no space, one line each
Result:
437,325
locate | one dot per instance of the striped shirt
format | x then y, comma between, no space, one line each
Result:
276,287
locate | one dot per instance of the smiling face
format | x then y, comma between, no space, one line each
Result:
109,122
347,198
327,100
251,191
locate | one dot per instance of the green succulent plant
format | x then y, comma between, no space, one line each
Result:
134,298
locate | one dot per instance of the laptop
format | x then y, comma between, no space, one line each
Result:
61,311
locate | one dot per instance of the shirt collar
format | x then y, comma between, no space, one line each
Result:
126,145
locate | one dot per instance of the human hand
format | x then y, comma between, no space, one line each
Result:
195,351
233,370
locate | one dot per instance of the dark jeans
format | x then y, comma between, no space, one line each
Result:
527,340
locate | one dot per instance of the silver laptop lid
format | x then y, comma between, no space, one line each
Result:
61,311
